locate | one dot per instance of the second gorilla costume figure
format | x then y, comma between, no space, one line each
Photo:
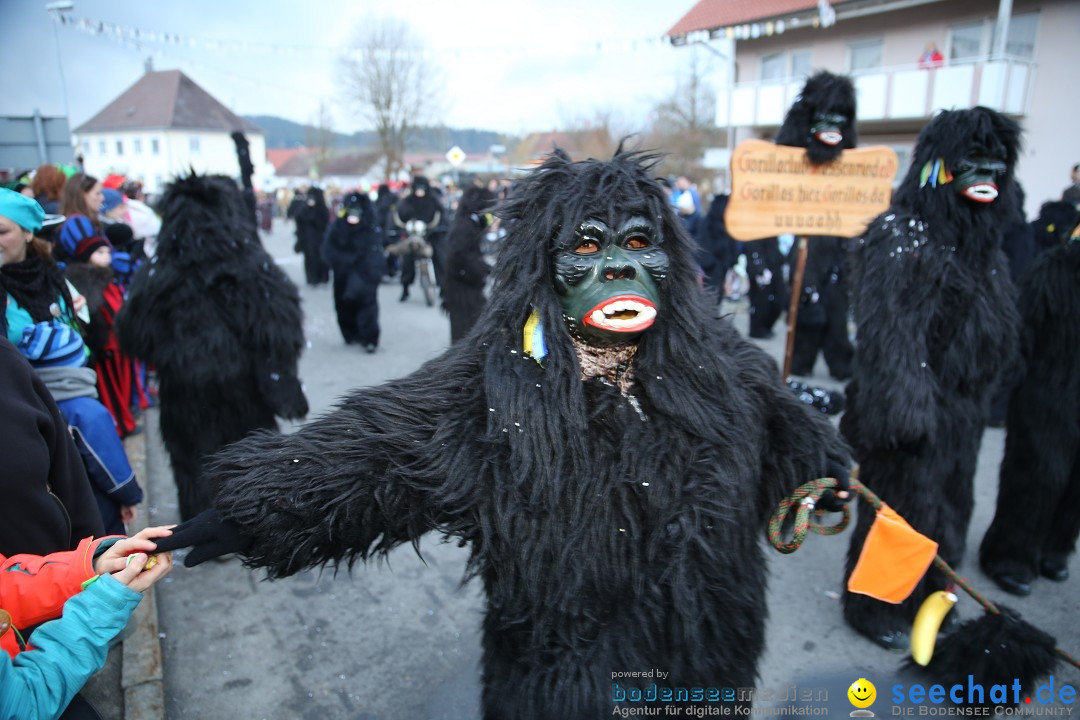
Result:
610,453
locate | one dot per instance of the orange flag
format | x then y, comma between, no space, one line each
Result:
894,559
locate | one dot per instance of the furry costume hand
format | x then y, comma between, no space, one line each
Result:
834,500
282,391
209,535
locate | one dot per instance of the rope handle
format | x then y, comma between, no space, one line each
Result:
807,517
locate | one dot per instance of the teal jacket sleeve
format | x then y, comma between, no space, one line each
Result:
39,683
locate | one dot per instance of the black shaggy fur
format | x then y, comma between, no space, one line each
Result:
995,650
937,325
823,92
821,325
311,221
466,270
1055,224
603,540
716,248
768,291
221,323
1038,504
354,252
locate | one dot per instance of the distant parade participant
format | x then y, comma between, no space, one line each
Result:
420,204
1038,504
466,269
822,120
354,252
311,221
937,327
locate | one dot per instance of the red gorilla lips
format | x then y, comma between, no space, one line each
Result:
830,137
982,192
622,313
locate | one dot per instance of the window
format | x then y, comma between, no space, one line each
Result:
119,148
1021,38
774,67
800,63
193,143
85,147
101,147
865,55
137,145
966,41
154,147
783,65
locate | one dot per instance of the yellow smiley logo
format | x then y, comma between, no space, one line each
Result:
862,693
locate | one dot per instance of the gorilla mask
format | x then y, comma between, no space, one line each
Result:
608,280
977,175
822,118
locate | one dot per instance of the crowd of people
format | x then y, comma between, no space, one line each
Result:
93,279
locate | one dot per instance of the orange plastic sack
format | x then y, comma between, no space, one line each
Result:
894,559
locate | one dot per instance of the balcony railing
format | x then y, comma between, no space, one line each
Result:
904,92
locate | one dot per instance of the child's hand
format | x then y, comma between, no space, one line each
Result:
115,558
139,579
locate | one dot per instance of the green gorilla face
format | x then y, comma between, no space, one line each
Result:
608,280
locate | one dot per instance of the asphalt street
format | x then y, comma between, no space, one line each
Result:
399,640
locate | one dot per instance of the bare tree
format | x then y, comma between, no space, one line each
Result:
685,123
390,83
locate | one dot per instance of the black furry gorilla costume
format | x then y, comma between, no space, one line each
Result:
353,250
1038,506
221,323
822,120
768,291
311,221
614,497
937,325
466,269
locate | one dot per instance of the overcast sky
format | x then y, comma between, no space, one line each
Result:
512,66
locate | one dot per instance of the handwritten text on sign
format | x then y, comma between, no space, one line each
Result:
776,190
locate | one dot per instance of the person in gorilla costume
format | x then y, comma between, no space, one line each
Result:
1038,505
466,269
937,326
610,452
420,204
822,120
311,221
353,250
222,324
716,248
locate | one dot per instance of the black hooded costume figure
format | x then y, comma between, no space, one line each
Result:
222,324
611,459
311,221
353,250
420,204
716,248
768,292
937,326
1038,505
388,232
466,270
822,120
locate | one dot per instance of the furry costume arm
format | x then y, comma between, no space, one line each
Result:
360,480
894,392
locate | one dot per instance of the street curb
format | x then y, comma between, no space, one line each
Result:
141,674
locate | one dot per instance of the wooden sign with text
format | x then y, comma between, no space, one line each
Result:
775,190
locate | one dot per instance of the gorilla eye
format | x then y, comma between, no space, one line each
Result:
637,242
587,246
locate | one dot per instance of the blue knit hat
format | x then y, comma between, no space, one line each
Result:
52,344
112,199
21,210
74,230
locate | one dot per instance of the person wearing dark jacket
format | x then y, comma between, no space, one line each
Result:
466,270
768,291
388,232
354,252
48,504
311,222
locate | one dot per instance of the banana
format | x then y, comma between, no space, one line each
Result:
924,630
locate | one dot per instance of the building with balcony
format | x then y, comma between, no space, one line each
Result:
776,44
164,125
